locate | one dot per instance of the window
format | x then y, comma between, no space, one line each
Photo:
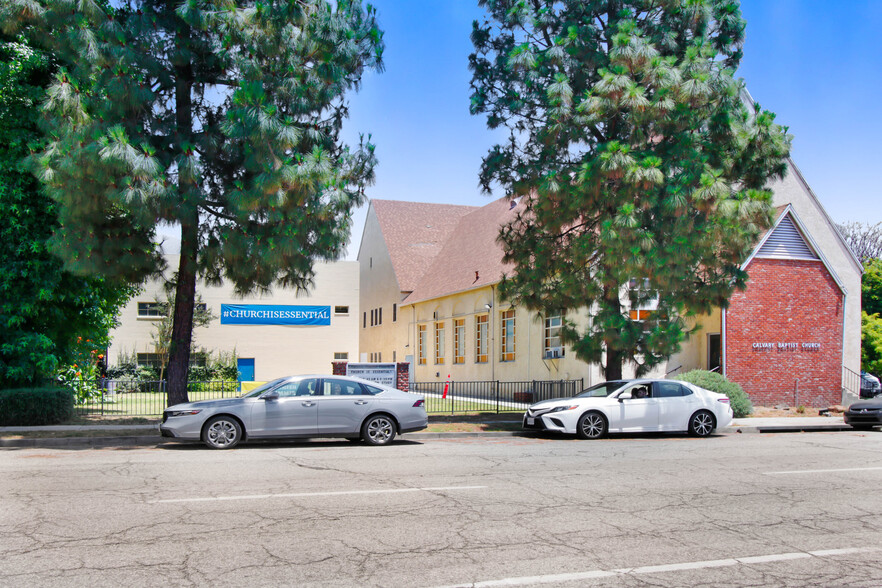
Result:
439,343
551,346
376,357
643,300
668,390
394,312
364,324
149,310
334,387
341,355
421,344
341,310
458,340
153,360
305,387
482,330
508,335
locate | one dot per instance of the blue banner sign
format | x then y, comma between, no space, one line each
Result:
273,314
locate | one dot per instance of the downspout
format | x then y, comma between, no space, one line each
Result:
723,346
842,351
492,349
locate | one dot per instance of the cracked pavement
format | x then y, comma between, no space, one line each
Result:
458,512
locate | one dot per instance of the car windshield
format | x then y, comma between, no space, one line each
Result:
263,388
602,389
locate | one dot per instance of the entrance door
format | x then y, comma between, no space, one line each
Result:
245,365
714,352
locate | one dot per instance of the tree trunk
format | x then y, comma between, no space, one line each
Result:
182,328
185,293
613,370
615,356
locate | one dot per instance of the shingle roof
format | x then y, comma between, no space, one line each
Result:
471,248
415,233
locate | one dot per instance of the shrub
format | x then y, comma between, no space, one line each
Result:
738,398
35,406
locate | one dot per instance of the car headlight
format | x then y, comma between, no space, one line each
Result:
563,408
175,413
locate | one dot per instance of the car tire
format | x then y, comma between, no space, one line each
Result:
592,425
222,432
378,430
702,424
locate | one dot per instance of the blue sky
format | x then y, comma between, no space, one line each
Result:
815,63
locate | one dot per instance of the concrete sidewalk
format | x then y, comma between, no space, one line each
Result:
145,435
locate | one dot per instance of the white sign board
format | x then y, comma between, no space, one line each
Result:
381,373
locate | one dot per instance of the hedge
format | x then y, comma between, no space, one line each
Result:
24,407
738,398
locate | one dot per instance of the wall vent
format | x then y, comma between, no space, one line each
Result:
786,242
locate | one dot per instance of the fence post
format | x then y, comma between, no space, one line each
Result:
495,385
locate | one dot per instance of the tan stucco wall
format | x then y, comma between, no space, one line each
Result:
379,289
693,353
278,350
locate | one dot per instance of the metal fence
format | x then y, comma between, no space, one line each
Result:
147,399
495,396
144,398
851,382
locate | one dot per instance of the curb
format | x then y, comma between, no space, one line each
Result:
155,440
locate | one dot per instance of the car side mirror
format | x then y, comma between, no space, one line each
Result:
622,399
271,395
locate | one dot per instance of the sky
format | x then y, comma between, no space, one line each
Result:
814,63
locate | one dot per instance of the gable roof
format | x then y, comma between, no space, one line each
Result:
414,233
472,256
789,239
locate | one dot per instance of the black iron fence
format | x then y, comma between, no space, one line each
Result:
461,397
147,399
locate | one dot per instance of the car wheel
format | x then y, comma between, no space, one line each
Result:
378,430
222,432
591,425
702,424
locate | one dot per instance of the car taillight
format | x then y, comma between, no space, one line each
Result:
418,403
723,400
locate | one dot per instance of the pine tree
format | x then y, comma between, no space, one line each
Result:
640,160
222,117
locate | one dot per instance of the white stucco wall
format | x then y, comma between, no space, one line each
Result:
278,350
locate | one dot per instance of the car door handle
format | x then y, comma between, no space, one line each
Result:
360,402
308,403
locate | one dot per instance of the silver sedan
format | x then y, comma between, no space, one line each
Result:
300,406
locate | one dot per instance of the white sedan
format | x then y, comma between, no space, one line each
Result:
633,406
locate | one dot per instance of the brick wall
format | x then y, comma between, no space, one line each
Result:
784,334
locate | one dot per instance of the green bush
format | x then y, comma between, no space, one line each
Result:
738,398
24,407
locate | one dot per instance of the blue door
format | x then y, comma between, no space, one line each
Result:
246,369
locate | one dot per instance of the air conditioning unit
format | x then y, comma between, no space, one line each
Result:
553,353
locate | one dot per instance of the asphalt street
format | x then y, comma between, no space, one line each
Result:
797,509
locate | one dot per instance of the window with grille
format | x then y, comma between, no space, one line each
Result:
551,346
421,344
508,335
439,343
149,310
482,332
458,340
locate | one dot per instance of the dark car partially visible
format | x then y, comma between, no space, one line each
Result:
865,414
870,386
